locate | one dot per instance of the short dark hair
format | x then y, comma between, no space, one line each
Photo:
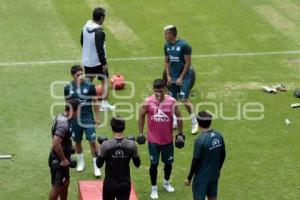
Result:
98,13
159,83
72,104
117,124
75,69
204,119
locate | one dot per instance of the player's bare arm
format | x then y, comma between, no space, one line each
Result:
179,118
142,116
59,151
188,61
96,110
167,68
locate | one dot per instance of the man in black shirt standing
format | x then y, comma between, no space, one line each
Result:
61,151
117,153
208,158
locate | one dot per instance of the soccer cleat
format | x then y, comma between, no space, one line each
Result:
269,90
168,186
194,128
154,193
280,87
107,107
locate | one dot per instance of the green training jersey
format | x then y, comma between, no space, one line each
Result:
209,148
84,93
175,53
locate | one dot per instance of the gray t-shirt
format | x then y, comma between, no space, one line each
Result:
61,128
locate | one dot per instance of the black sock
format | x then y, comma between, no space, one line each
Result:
168,170
153,173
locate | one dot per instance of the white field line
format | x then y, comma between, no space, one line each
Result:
217,55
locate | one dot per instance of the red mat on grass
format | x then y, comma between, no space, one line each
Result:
92,190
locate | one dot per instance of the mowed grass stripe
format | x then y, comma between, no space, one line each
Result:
278,21
118,27
290,8
31,30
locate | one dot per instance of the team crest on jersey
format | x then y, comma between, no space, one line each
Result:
84,91
178,49
160,116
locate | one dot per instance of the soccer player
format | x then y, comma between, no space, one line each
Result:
117,153
84,91
178,69
208,159
94,53
61,151
159,109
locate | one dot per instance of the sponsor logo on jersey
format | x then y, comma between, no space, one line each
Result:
160,116
119,153
174,58
215,144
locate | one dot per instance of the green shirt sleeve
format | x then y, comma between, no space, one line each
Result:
67,92
197,149
165,50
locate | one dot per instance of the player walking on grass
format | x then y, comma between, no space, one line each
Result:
117,153
208,158
94,53
159,109
85,92
61,151
178,69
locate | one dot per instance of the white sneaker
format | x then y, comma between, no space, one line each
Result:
154,193
80,164
97,171
168,186
107,107
194,128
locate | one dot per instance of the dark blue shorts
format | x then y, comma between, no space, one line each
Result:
88,128
183,91
201,189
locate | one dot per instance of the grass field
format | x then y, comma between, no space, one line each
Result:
263,156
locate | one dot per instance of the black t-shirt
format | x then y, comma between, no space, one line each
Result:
61,128
117,154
